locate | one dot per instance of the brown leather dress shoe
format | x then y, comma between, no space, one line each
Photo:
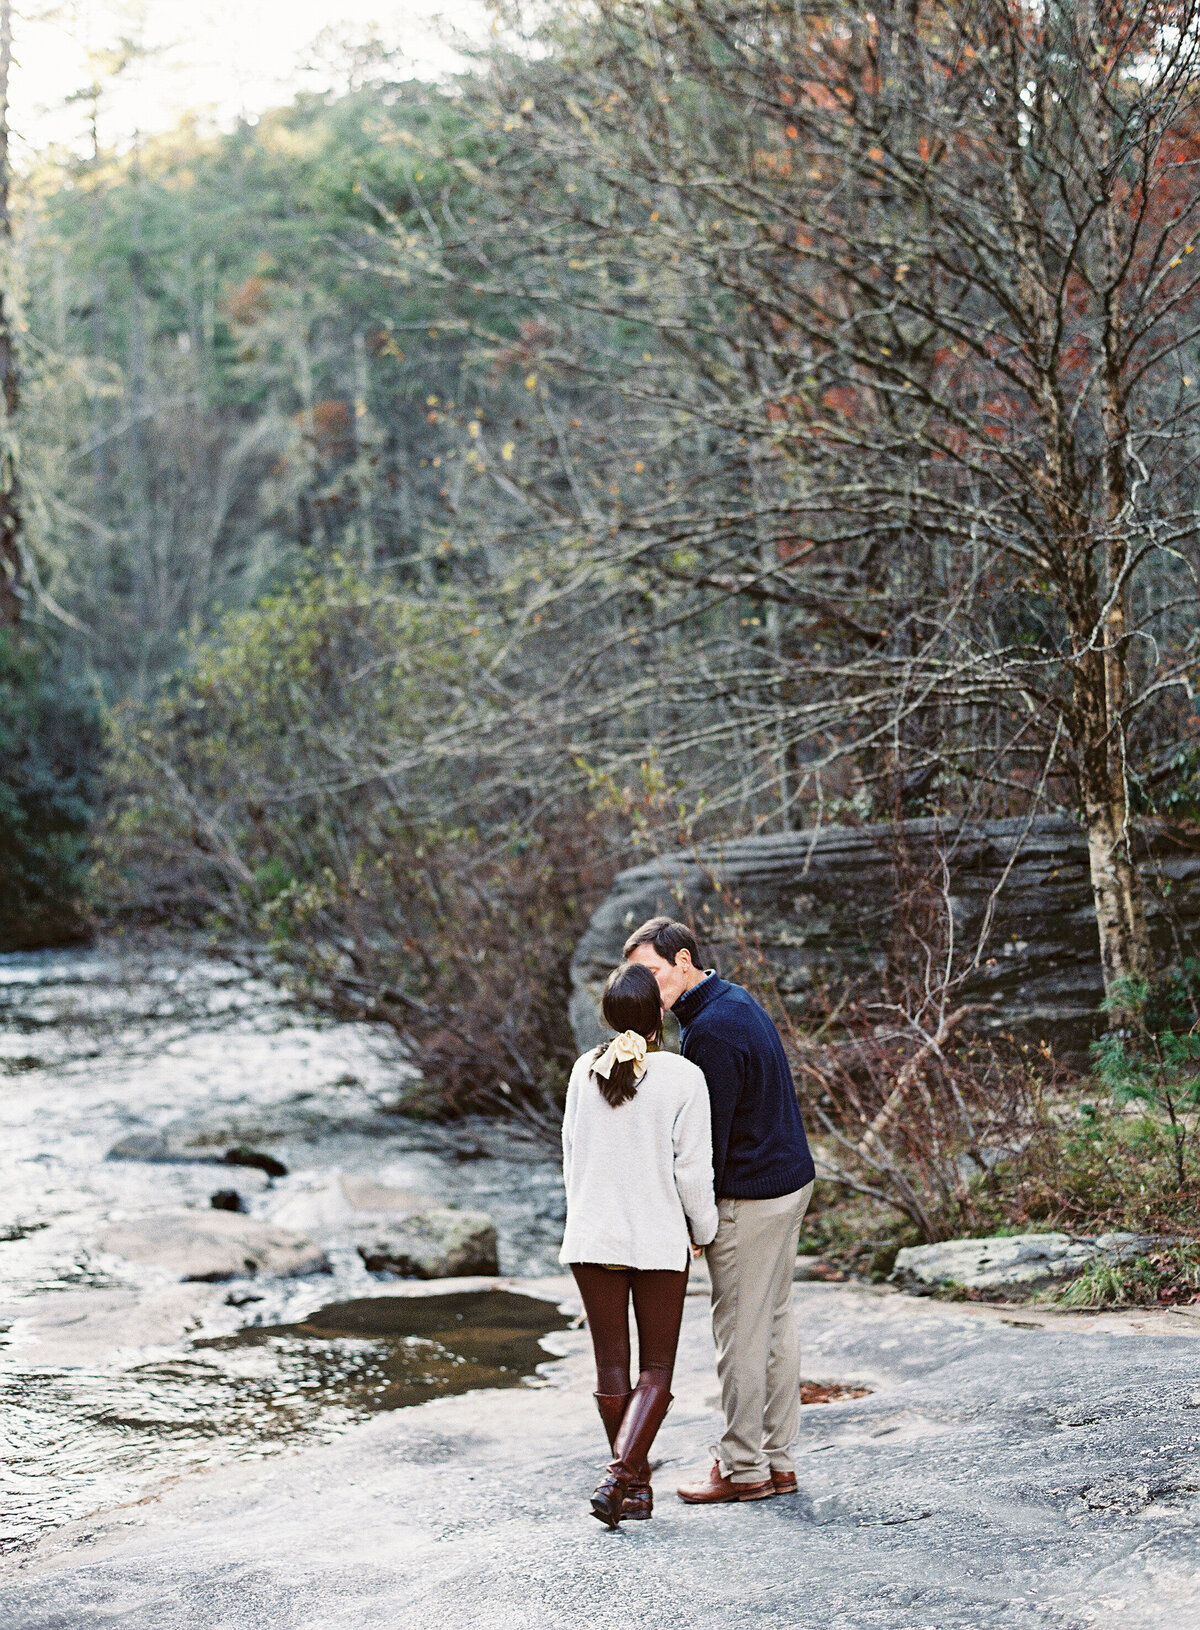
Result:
785,1482
720,1490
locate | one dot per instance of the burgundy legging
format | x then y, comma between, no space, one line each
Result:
657,1307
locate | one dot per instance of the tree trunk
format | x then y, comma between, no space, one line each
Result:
1116,885
1120,901
11,591
1120,904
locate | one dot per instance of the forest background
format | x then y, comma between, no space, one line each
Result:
693,419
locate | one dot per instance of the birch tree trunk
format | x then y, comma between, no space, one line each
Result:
1116,885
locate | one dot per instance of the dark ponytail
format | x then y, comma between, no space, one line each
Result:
630,1002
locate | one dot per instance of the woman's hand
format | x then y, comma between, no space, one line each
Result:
697,1252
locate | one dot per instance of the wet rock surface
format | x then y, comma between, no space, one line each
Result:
167,1147
970,1468
1014,1264
996,1477
392,1352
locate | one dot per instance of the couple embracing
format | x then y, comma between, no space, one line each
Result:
665,1157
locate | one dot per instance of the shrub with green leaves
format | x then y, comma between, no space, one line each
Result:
308,776
1156,1063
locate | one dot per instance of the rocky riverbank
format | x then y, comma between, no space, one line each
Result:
185,1154
1004,1471
204,1358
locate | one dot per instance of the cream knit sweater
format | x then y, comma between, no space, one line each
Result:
637,1175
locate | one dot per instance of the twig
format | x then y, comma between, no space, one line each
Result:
905,1079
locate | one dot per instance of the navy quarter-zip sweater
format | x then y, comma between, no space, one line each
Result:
760,1150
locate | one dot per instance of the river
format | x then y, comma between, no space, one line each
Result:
114,1377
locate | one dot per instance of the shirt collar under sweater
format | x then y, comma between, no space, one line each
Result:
694,1001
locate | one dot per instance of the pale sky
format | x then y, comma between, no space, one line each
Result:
225,57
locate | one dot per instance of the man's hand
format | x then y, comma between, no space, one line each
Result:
697,1252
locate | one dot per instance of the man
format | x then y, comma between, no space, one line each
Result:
764,1178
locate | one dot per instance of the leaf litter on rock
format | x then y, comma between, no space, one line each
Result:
828,1392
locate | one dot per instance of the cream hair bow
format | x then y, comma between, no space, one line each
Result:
628,1047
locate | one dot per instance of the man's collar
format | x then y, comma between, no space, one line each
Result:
692,1001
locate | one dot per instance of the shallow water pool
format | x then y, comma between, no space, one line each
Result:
390,1352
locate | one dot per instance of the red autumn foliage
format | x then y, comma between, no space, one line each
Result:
249,301
329,427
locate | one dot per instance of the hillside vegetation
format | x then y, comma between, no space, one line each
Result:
694,420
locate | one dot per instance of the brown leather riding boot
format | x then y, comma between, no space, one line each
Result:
639,1497
612,1406
644,1415
639,1502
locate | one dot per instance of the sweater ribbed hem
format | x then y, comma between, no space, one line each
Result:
656,1263
770,1187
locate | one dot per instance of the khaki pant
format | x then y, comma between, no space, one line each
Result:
751,1262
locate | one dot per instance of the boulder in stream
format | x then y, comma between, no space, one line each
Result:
172,1145
244,1155
186,1144
213,1246
1015,1264
435,1244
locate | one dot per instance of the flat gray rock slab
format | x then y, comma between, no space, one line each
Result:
1016,1263
1039,1472
212,1245
168,1147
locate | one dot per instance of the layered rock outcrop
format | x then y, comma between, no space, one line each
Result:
821,908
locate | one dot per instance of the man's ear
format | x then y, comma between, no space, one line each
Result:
683,959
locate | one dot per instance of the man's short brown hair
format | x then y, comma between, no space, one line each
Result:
667,937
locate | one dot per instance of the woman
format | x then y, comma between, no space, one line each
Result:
637,1162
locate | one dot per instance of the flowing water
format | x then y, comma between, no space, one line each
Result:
114,1376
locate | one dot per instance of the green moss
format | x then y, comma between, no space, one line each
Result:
949,1290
